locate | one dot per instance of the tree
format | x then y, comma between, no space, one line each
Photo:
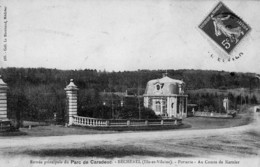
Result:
19,111
254,100
232,100
43,89
211,108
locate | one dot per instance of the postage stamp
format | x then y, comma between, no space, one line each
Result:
224,27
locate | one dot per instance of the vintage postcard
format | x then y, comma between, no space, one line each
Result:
172,83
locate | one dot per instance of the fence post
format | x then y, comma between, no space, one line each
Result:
162,122
71,101
128,122
176,122
107,122
146,122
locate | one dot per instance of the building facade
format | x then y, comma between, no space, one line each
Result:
166,97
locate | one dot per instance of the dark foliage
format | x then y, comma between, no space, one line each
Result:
126,112
214,102
38,93
132,112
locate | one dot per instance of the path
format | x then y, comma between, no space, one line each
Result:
128,137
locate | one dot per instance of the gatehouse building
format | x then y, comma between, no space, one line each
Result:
166,97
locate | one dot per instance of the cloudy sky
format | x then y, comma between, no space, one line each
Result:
123,35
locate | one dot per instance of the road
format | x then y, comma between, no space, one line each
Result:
24,141
128,136
242,141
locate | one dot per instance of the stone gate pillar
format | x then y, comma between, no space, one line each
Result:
3,100
71,101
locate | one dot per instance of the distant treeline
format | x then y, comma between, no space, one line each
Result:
37,93
210,102
120,81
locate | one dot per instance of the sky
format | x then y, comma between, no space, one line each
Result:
119,35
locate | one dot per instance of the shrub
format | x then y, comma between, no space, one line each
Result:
126,112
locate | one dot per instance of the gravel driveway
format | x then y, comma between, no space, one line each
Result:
242,141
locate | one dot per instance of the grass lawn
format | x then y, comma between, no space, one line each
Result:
191,122
215,123
59,130
195,122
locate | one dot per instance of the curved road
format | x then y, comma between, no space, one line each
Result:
127,137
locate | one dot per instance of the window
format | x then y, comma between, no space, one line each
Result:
158,106
164,107
178,105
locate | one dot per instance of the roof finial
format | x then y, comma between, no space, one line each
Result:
165,74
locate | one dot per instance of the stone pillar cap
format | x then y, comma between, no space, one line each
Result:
71,86
2,83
